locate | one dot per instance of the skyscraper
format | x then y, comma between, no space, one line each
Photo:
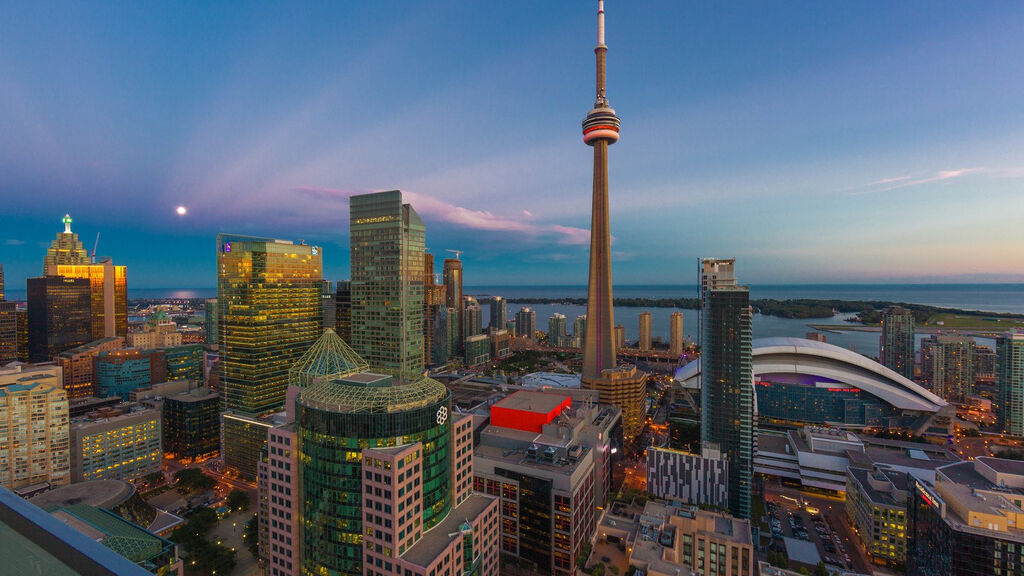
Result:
453,298
947,364
34,428
526,323
644,322
268,293
343,310
579,331
8,326
108,295
623,386
387,281
1,281
1010,382
896,346
557,335
65,249
211,321
472,317
499,313
59,316
430,306
675,334
328,304
727,387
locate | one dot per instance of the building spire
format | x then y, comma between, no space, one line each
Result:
67,223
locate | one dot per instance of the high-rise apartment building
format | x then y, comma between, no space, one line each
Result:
59,316
387,239
645,327
896,344
433,298
453,297
947,364
620,336
210,321
472,318
440,347
579,331
526,323
268,292
727,387
343,310
65,249
79,366
34,445
675,334
477,350
499,313
1010,382
557,331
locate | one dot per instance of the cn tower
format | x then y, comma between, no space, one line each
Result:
623,386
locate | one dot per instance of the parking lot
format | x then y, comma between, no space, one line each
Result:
817,519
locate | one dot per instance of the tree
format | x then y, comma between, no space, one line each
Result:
153,478
820,569
238,499
252,535
194,479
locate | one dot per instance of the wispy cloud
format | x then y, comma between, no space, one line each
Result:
13,242
898,182
434,208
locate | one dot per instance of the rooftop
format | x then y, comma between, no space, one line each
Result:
329,358
532,401
101,493
374,393
1003,465
88,346
438,538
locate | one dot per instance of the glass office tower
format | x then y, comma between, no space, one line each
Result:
268,297
108,295
387,239
59,316
336,420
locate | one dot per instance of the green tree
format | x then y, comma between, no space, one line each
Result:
820,569
194,479
238,499
252,536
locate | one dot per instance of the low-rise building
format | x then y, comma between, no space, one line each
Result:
191,425
184,362
969,522
116,444
690,478
79,367
118,372
876,504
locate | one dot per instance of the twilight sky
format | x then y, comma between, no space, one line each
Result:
816,142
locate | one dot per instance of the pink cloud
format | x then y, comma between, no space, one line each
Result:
434,208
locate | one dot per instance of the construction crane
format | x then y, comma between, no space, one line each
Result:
95,246
458,253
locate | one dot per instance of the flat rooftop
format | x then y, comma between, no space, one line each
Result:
519,457
1003,466
438,538
99,493
532,401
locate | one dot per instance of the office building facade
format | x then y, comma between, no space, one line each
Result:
191,425
184,362
700,479
210,321
59,316
116,444
118,372
8,332
79,367
387,243
453,298
477,350
108,295
343,310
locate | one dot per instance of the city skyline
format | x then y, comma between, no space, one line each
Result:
736,127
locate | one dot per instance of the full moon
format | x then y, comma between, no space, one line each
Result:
181,210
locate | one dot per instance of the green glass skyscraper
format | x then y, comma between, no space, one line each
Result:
387,241
727,388
268,296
